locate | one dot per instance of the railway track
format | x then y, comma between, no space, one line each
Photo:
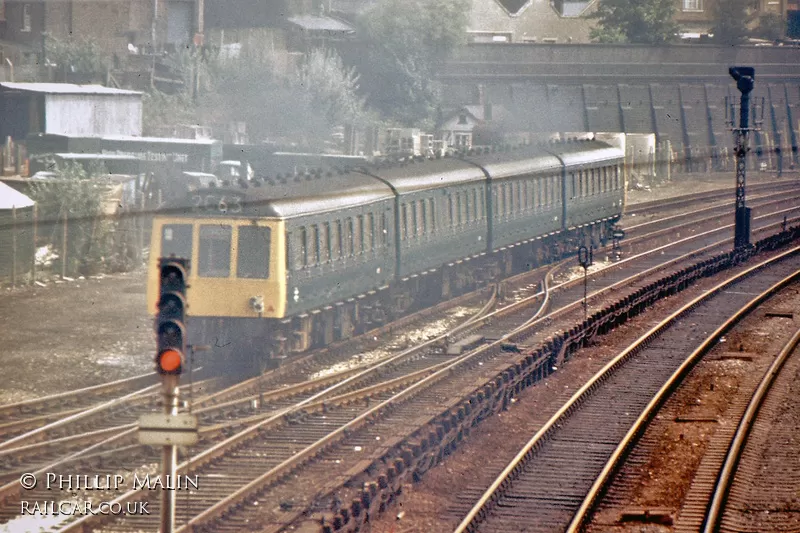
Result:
243,394
28,415
334,432
762,496
551,483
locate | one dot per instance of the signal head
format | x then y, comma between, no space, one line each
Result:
173,274
171,341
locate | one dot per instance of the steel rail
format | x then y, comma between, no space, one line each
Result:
687,239
726,475
666,390
222,506
472,519
277,416
35,403
215,452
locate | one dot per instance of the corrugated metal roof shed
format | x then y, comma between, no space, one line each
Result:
11,198
67,88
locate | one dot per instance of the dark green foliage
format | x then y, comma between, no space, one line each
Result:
731,21
405,43
81,196
770,26
303,106
635,21
76,56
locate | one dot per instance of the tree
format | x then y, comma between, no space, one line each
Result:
405,43
303,106
76,56
635,21
332,88
79,194
770,26
731,21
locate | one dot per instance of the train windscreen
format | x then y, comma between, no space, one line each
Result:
215,251
176,241
253,252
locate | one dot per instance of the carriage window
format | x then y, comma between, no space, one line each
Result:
347,241
324,242
369,232
431,215
358,234
176,241
475,210
336,240
383,232
451,215
404,222
312,245
546,191
508,198
414,230
253,252
467,207
299,248
524,195
616,178
215,251
556,189
423,216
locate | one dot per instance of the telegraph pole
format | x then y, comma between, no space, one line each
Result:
745,79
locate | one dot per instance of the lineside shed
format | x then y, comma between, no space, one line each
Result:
16,232
68,109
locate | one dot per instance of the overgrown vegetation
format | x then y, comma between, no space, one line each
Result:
80,195
304,106
635,21
405,43
731,21
75,56
770,26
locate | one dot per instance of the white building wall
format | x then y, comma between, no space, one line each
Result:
93,115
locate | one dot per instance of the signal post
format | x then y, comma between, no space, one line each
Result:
171,428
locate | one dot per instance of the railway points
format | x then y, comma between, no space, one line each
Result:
773,217
522,289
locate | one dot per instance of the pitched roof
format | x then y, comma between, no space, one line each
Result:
10,198
66,88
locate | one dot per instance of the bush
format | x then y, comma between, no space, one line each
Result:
76,56
81,195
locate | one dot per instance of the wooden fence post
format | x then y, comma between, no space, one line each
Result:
13,246
64,246
33,259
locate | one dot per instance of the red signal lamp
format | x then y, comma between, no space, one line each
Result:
170,362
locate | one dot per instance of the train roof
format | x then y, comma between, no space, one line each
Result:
518,162
580,153
291,197
411,176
